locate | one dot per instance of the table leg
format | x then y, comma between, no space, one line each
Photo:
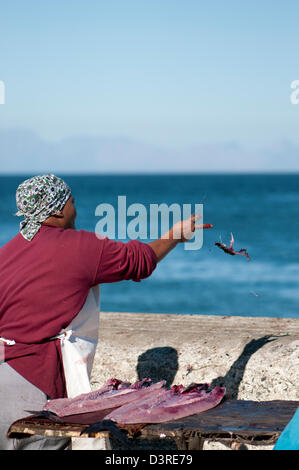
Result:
181,442
108,443
193,443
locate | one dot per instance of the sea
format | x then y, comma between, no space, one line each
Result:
261,210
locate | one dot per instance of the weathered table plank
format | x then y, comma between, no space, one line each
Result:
235,420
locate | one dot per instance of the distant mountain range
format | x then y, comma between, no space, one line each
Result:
23,151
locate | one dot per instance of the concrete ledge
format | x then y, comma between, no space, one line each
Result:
255,358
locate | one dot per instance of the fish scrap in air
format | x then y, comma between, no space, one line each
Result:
230,250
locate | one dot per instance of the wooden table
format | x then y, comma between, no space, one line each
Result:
233,422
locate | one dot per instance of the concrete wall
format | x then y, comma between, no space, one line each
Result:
255,358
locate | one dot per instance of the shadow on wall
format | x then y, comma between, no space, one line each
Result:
232,379
158,364
162,364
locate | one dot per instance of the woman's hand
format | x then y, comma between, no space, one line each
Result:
181,232
184,230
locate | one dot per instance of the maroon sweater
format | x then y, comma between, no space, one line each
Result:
43,286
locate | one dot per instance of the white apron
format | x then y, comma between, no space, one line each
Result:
78,345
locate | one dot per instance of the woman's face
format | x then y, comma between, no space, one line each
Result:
69,213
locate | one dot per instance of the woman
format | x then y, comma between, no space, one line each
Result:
49,300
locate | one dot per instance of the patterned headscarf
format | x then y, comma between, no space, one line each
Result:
38,198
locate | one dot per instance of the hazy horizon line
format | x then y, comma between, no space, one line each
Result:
157,173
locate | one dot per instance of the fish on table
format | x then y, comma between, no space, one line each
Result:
139,403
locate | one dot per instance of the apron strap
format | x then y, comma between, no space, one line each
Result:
9,342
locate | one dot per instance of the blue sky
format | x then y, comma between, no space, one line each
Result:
189,85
